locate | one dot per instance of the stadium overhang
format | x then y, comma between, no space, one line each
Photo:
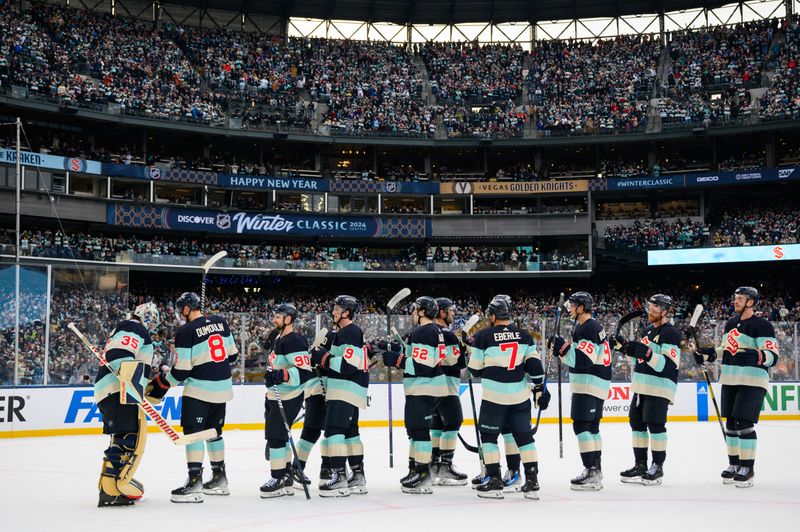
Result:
450,11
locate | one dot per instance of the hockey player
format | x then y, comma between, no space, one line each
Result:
653,383
289,369
424,384
447,417
588,357
314,420
748,350
205,351
345,362
512,480
126,423
504,357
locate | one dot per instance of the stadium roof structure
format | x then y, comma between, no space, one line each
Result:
450,11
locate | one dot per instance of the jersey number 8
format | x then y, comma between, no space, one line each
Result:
216,346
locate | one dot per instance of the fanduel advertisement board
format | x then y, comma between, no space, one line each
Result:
48,411
251,223
50,162
668,257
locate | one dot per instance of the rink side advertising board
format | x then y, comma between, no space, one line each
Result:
50,162
669,257
273,224
50,411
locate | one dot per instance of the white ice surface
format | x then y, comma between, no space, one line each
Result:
50,484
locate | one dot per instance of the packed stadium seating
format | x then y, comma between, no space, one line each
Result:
222,78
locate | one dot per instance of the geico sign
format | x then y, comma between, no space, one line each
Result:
11,407
83,409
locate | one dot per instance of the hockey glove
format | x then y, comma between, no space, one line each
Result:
384,345
705,355
466,339
328,339
748,357
618,343
541,396
157,388
560,346
638,350
275,377
392,358
320,357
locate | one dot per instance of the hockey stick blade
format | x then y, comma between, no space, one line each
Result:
698,310
471,448
398,297
319,338
628,317
470,323
213,260
143,403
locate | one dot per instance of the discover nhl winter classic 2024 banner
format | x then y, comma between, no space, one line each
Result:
50,411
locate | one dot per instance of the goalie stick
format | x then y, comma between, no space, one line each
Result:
318,339
397,298
471,322
556,332
698,311
143,403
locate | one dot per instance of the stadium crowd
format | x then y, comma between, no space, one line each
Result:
140,248
584,87
737,225
216,76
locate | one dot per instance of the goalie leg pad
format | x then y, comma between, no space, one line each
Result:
122,458
133,446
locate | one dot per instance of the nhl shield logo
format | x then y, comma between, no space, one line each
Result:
154,172
224,221
390,187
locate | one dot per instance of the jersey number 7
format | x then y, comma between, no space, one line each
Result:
514,348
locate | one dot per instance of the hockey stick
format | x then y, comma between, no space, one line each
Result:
698,310
465,330
399,296
557,331
318,339
143,403
207,266
628,317
291,439
399,338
